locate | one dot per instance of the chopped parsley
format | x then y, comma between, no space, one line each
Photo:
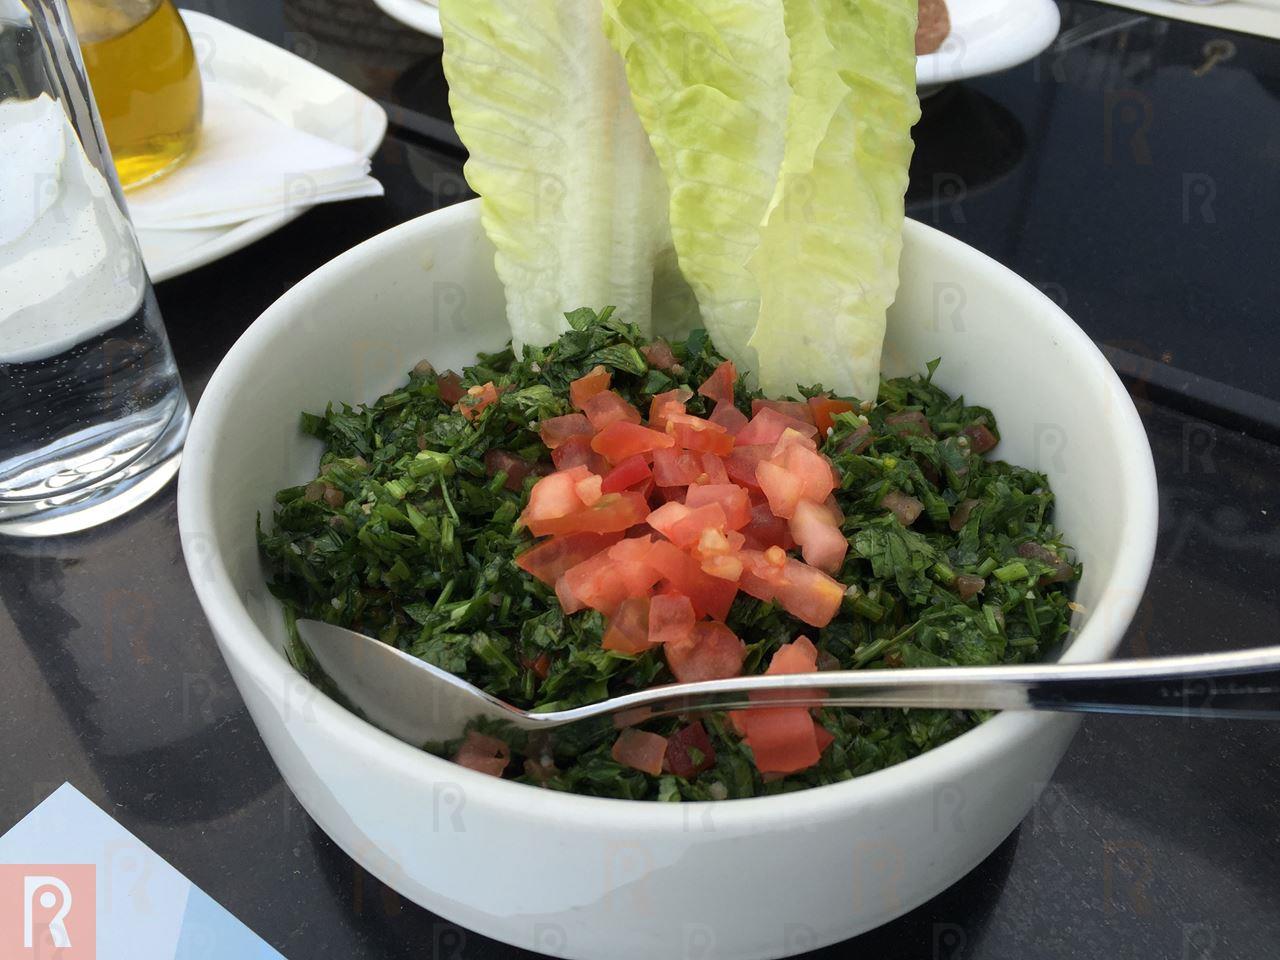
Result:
408,534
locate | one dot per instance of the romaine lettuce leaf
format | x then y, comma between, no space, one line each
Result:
753,153
571,194
827,260
709,81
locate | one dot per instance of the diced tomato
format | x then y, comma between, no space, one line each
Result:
483,753
516,468
540,665
638,577
607,407
762,572
767,426
477,399
671,618
553,497
576,451
809,594
741,464
713,470
822,736
628,473
663,404
640,750
824,410
588,584
833,510
628,630
588,490
813,470
765,530
694,433
612,512
556,430
728,416
712,543
632,549
451,388
781,739
800,656
732,499
569,601
858,441
711,596
911,422
676,468
906,509
629,562
667,516
682,525
620,440
782,487
821,542
689,529
719,386
602,582
585,387
715,652
723,567
794,409
689,751
658,354
981,439
791,438
550,559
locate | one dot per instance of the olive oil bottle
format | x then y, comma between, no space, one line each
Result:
146,80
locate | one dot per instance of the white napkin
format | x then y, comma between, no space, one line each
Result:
246,165
1261,17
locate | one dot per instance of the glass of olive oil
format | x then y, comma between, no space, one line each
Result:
146,81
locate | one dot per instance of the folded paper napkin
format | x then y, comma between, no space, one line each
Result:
1261,17
248,165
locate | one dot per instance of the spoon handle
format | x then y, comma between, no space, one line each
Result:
1243,684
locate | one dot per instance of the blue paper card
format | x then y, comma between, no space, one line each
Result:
76,885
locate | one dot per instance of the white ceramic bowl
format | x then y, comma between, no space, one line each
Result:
585,877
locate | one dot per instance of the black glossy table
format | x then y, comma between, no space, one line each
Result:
1139,190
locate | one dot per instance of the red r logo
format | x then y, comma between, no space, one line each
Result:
48,911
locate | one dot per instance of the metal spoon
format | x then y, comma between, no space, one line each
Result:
420,703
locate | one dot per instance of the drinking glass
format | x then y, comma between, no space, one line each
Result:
92,411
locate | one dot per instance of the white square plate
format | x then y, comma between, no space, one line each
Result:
286,88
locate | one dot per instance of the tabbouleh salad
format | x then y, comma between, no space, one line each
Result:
606,514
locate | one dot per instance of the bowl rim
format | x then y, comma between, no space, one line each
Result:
240,639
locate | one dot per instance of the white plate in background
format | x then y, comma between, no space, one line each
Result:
286,88
420,14
986,35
